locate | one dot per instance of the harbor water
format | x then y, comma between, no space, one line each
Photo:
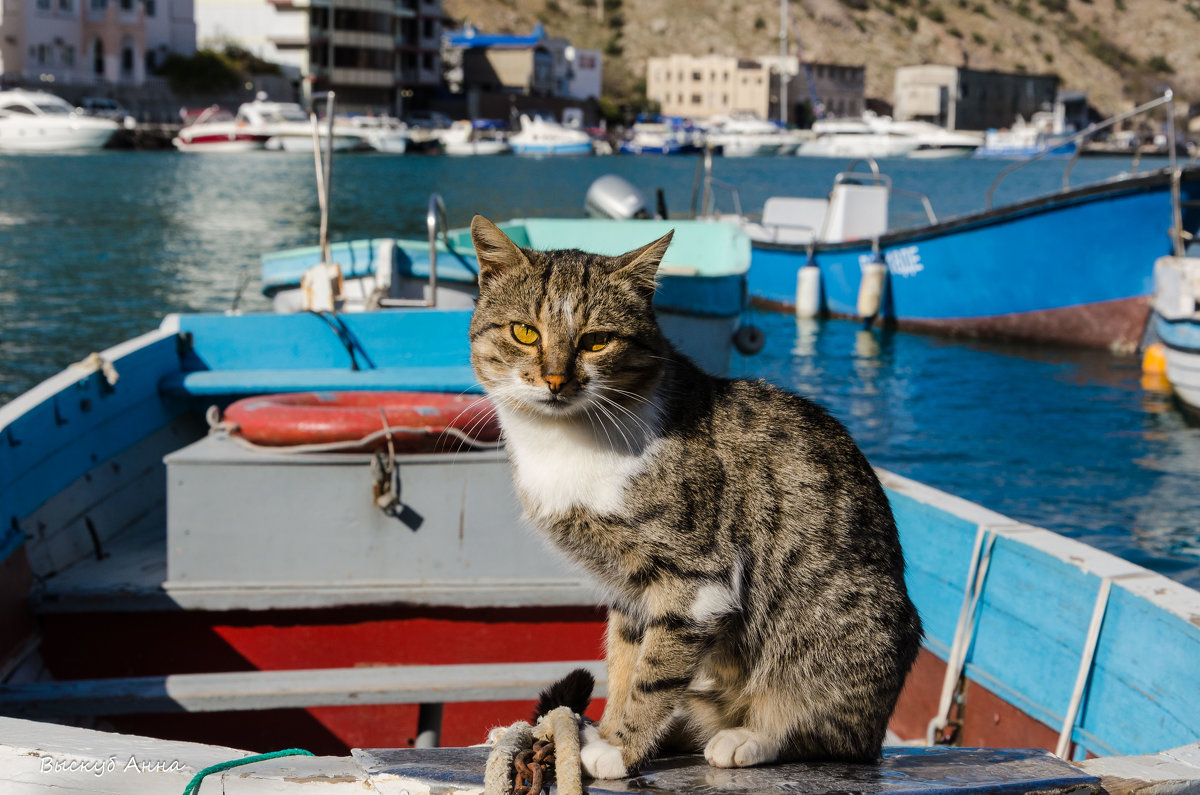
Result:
97,248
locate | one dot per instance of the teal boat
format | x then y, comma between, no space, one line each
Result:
702,280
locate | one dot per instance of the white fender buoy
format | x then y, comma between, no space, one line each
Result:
870,290
808,291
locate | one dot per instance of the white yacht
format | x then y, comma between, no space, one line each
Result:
37,121
542,136
861,137
881,136
461,138
290,127
746,135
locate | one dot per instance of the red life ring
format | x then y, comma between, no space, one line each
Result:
417,421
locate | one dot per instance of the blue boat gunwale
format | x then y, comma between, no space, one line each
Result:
1139,183
1181,335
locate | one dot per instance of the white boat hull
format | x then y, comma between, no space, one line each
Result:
81,135
303,143
462,148
857,146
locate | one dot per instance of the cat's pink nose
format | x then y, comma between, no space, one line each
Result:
555,382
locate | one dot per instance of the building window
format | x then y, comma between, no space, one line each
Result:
43,5
697,77
151,7
98,5
127,57
696,99
127,5
66,6
98,55
68,56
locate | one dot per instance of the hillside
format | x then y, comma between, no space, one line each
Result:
1118,51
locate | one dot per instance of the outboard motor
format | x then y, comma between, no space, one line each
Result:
611,196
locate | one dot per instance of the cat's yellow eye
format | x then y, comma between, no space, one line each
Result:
526,335
594,341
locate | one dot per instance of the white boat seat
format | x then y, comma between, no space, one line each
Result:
792,219
856,212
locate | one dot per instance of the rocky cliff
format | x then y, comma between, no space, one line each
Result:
1121,52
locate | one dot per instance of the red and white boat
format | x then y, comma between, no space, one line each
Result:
215,129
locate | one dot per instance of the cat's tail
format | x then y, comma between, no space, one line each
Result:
574,690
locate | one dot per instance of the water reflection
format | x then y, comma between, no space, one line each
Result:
1064,439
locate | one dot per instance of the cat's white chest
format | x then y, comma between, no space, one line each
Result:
560,467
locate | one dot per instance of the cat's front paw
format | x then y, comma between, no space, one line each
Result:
739,748
600,758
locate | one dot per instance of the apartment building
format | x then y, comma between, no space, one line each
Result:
380,56
701,87
111,43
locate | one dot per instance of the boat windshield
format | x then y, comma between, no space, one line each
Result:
52,108
289,113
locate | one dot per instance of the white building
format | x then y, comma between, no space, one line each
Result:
84,42
385,54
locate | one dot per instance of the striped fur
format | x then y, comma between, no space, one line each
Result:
757,607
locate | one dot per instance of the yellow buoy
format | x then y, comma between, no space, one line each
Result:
1154,360
1154,368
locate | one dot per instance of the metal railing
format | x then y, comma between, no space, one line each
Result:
435,219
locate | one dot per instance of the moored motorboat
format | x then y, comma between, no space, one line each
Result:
859,137
658,138
37,121
215,129
1025,139
746,135
462,138
1032,270
1177,325
703,275
381,133
289,127
541,136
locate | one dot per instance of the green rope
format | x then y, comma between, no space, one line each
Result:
194,785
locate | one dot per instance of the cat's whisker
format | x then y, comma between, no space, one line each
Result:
636,419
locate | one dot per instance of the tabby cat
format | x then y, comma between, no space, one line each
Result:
752,569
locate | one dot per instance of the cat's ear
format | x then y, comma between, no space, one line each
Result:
494,250
640,266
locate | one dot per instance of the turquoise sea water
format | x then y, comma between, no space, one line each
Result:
95,249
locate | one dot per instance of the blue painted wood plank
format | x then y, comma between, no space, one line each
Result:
1144,689
396,338
54,442
937,546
